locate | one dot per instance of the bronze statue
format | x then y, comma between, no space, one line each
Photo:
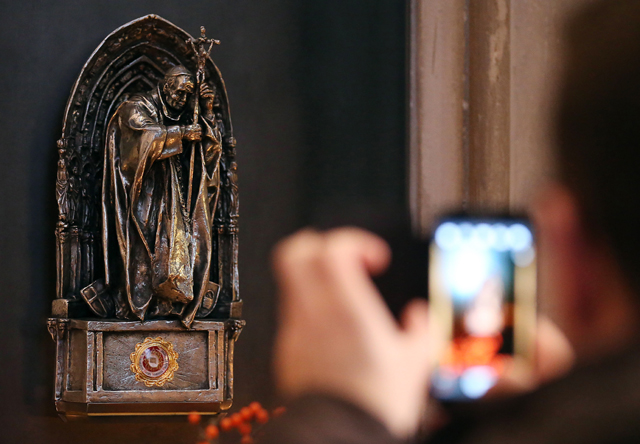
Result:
159,198
147,308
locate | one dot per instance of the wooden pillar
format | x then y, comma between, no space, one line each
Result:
489,104
437,59
483,79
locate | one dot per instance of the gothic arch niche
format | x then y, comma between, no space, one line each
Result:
132,60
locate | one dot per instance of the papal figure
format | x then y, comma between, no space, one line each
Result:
159,194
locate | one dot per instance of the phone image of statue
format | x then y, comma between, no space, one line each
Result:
480,285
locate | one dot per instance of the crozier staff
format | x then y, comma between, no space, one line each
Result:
203,90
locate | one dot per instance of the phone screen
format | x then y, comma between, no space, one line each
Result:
482,287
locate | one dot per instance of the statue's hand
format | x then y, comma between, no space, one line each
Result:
192,132
207,98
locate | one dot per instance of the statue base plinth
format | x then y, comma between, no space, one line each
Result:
106,367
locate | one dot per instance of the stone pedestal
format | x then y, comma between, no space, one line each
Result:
143,368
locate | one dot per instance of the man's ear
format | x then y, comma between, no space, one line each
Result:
566,261
581,286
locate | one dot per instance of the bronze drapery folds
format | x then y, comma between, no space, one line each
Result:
147,197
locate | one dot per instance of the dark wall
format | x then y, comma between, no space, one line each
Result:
317,97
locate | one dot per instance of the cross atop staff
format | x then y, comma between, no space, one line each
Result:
202,47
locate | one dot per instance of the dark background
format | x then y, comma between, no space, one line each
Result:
317,93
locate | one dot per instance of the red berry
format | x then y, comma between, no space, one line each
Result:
246,413
246,439
278,411
194,418
262,416
211,431
244,428
255,406
236,419
225,424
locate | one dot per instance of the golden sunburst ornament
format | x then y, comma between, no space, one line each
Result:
154,362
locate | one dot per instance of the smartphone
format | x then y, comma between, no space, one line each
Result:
482,290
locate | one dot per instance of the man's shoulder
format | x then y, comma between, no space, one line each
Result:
145,102
577,408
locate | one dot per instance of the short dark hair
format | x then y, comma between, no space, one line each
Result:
598,125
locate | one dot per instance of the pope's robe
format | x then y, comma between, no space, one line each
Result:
157,249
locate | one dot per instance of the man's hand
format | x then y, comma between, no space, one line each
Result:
554,358
336,335
207,98
192,132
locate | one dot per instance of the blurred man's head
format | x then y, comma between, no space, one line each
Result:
590,229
